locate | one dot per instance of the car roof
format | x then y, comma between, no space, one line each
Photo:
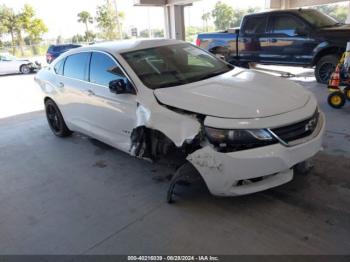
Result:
282,11
58,45
121,46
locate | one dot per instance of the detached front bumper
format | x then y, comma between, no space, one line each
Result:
36,66
250,171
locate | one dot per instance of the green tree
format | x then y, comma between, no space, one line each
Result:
34,27
106,17
223,15
191,32
158,32
86,18
25,19
36,30
10,24
89,36
336,11
226,16
144,33
77,38
59,40
205,17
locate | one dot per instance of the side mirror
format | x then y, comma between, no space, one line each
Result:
118,86
121,86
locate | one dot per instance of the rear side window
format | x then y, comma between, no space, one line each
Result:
104,69
76,66
59,67
255,25
288,25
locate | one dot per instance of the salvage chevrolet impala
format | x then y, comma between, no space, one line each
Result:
238,130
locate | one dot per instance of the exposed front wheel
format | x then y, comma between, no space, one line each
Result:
325,67
55,119
25,69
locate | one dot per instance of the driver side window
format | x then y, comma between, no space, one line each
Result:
104,69
288,25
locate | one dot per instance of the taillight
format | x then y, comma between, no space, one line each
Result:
48,58
198,42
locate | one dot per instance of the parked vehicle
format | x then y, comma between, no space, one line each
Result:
55,51
10,64
303,37
242,131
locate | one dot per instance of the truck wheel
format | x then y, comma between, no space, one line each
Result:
325,67
336,99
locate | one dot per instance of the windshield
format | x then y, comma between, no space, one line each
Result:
173,65
317,18
7,57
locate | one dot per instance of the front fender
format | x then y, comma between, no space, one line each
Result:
325,48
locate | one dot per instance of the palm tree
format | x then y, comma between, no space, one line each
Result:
85,18
205,17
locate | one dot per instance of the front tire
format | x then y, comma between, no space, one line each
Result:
325,67
55,120
25,69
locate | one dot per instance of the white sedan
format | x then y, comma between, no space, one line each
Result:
239,130
10,64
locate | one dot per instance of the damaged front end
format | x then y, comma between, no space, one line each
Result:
162,133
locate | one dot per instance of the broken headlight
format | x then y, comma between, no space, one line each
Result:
226,140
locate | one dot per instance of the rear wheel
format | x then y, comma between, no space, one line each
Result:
25,69
325,67
336,99
55,119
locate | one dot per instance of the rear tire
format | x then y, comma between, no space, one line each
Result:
325,67
336,99
55,120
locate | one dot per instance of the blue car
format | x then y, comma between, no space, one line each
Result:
55,51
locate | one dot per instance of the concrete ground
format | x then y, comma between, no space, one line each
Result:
78,196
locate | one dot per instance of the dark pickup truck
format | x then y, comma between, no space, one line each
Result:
300,37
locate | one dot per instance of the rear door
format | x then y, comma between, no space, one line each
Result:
289,40
73,91
112,116
252,40
3,65
9,65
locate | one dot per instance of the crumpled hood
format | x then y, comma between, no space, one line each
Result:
239,93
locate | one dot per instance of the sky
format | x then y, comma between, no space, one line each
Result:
60,16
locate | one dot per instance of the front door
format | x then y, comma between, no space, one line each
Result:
252,41
112,116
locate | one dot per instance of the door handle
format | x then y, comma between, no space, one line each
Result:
60,84
89,92
273,40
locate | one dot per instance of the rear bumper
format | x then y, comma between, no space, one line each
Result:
228,174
